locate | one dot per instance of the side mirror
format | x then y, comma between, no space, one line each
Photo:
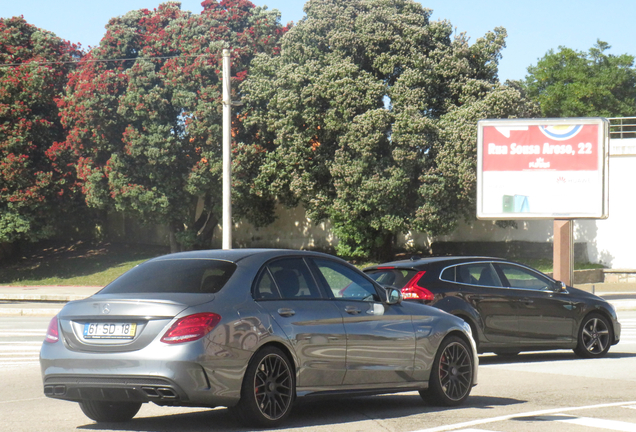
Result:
393,296
561,287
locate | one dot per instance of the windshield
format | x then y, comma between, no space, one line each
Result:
396,277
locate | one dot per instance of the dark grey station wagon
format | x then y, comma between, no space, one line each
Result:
509,306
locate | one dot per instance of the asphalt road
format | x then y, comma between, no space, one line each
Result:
532,392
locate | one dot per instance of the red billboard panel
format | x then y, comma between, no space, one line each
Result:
542,169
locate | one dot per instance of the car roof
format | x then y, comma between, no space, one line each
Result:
235,255
415,262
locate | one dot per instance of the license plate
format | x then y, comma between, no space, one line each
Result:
109,330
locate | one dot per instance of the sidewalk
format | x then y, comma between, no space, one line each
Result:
40,300
48,300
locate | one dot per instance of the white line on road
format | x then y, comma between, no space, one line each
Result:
525,414
20,347
614,425
5,360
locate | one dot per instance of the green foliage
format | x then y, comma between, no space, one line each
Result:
37,186
368,118
572,83
147,131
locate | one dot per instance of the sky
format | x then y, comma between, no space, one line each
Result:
533,26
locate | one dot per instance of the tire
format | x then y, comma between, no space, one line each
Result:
101,411
268,390
595,337
451,375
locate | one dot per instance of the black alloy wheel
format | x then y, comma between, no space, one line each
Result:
268,389
594,339
102,411
452,374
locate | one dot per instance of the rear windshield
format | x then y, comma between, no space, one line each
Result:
173,276
392,277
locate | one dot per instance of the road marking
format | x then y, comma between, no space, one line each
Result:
525,414
592,422
628,332
473,430
19,353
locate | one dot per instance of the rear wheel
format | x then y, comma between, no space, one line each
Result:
268,389
102,411
452,374
594,338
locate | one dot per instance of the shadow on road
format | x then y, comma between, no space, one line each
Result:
544,357
305,414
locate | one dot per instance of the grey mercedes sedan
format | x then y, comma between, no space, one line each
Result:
251,330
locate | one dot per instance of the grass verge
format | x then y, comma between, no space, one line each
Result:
76,264
98,264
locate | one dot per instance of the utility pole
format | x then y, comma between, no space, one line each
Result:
227,152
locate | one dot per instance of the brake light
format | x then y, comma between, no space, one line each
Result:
191,328
413,291
52,333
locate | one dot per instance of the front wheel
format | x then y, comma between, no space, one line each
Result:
102,411
594,337
268,389
452,374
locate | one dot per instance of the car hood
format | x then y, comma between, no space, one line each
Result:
575,292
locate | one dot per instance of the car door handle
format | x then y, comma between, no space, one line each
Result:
352,310
286,312
526,301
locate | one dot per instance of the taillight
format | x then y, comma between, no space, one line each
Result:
52,333
191,327
413,291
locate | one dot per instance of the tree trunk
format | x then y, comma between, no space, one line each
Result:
205,234
386,251
174,245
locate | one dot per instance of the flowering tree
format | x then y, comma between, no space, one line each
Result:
37,186
368,118
143,111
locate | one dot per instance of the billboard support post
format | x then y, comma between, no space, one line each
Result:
563,251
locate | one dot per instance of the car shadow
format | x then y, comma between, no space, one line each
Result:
305,414
538,357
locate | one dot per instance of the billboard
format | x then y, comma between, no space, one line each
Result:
542,168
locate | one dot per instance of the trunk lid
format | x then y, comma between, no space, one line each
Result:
122,322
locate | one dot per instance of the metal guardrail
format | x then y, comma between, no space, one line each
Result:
622,127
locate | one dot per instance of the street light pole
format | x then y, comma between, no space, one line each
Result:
227,155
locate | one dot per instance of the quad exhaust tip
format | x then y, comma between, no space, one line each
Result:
58,390
159,392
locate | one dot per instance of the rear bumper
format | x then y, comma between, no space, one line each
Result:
115,388
166,375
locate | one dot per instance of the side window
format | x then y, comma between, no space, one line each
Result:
448,274
519,277
345,283
293,279
482,274
265,287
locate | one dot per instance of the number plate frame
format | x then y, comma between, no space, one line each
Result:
110,330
